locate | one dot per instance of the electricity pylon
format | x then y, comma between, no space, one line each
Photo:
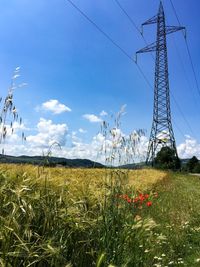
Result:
161,132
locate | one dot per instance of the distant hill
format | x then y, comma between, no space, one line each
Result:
51,161
184,161
73,163
141,165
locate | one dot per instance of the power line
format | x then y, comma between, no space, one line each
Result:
178,128
188,50
116,45
111,40
191,88
192,65
138,30
131,20
175,12
100,30
182,114
133,23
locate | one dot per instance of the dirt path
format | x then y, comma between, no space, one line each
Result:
195,174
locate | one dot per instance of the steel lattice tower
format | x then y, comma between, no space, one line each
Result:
161,132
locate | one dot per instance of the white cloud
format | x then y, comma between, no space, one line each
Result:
39,144
142,148
17,127
103,113
82,131
189,148
54,106
48,133
14,132
74,137
15,76
92,118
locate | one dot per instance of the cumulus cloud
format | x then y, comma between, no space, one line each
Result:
189,148
39,144
48,133
14,132
92,118
103,113
82,130
98,148
17,127
54,106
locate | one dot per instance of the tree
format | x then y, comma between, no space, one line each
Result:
192,164
167,159
197,168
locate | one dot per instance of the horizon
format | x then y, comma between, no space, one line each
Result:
76,78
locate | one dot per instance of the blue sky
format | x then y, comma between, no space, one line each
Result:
64,58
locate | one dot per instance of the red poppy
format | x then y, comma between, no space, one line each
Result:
141,197
149,204
135,199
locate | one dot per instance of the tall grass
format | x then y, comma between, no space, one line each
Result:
90,223
8,112
48,224
41,226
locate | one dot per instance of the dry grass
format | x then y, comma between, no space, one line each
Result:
142,179
72,217
53,216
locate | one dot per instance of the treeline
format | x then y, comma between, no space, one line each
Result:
167,159
193,165
51,161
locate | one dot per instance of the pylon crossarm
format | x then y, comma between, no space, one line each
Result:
172,29
148,48
153,20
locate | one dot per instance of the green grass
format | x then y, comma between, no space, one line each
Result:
82,221
178,214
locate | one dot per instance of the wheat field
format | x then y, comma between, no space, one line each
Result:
71,217
76,178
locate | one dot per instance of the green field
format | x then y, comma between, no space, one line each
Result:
98,217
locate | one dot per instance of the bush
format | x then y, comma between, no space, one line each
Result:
197,168
193,164
167,159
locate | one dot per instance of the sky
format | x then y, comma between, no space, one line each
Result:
76,77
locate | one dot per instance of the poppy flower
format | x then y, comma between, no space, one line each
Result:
149,204
136,199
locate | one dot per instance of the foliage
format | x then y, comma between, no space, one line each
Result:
192,165
196,168
167,159
49,221
94,217
178,215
